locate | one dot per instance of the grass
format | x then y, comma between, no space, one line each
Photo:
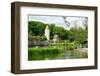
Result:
55,51
43,52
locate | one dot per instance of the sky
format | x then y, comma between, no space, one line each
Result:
59,20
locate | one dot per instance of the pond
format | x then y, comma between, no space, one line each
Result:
54,54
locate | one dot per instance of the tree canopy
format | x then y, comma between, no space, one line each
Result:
77,34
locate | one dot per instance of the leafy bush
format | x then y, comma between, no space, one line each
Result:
57,44
36,38
71,46
42,38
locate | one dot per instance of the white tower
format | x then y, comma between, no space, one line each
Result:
47,32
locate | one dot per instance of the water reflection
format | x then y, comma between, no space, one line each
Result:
55,55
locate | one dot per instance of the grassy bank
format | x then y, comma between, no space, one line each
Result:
41,53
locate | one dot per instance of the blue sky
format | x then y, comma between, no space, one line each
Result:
58,20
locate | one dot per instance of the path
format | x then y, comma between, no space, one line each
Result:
82,49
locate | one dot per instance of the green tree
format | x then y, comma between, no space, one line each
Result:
37,28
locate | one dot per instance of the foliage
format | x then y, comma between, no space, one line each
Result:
40,53
60,31
36,38
36,28
77,34
71,46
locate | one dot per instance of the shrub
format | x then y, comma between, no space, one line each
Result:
57,44
71,46
36,38
42,38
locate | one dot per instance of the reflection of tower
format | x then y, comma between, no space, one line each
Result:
47,32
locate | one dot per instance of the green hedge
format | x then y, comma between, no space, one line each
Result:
38,38
57,45
70,46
